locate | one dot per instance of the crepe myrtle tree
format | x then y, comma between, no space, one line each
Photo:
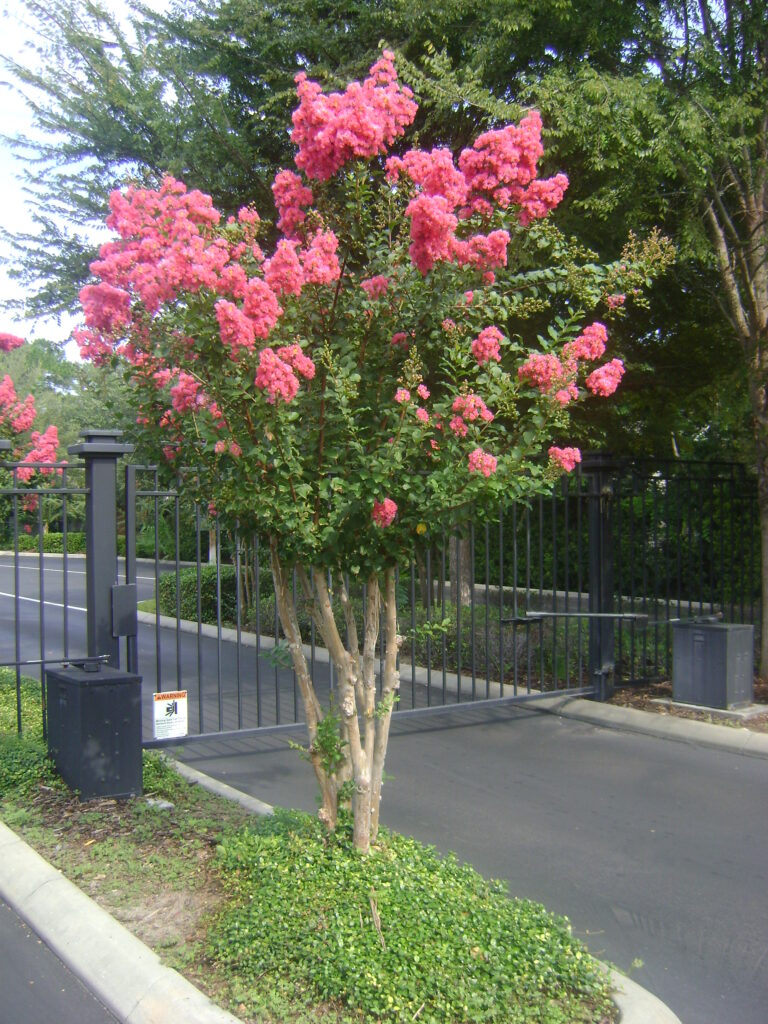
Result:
31,448
364,383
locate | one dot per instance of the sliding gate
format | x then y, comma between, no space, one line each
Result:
573,593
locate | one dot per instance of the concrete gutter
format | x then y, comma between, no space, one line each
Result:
735,740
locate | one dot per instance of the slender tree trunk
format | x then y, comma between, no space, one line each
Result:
390,686
287,611
460,569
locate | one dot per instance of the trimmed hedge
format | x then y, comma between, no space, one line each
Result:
166,593
53,543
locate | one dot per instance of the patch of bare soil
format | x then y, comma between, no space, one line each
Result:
657,698
162,885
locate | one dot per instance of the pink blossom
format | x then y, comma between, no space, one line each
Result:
105,308
590,344
261,306
283,273
489,277
448,324
295,358
9,342
291,194
472,407
432,230
458,426
605,379
361,122
615,301
566,458
486,345
235,328
540,197
482,251
567,394
433,172
542,371
384,512
423,391
319,262
249,215
400,339
482,462
468,297
375,287
422,415
402,395
186,394
276,377
44,449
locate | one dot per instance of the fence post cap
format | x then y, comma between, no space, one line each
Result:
100,442
5,446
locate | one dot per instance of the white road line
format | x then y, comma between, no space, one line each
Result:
70,572
52,604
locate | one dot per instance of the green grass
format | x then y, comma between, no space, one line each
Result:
303,928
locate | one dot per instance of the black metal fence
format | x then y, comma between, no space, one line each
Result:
574,592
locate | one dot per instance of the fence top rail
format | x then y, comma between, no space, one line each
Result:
45,491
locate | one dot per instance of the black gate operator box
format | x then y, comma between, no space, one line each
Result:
712,663
94,729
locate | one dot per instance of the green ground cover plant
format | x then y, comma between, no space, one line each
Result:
273,917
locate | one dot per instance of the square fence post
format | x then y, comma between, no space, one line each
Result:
599,470
100,450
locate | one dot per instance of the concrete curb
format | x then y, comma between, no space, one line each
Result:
648,723
123,973
636,1004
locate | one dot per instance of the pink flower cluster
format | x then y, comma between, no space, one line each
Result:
20,415
468,407
605,379
291,196
275,373
235,328
384,512
566,458
228,447
187,394
320,264
500,168
8,342
290,268
590,344
44,449
542,371
165,246
482,462
360,122
485,347
106,308
375,287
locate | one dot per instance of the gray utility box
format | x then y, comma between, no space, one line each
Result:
713,663
94,730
